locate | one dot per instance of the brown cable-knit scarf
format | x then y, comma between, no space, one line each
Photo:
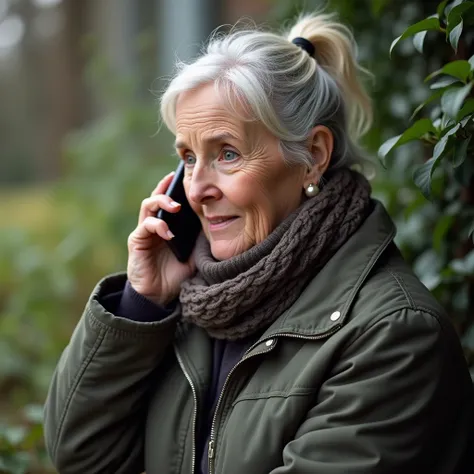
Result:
235,298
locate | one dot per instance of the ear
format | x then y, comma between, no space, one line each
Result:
321,144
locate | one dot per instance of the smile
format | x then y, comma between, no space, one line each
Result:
221,222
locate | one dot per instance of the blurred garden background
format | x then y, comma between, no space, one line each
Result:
79,81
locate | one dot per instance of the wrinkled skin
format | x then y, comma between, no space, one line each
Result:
234,168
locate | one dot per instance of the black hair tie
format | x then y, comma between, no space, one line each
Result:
303,43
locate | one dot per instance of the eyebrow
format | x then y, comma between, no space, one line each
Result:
216,138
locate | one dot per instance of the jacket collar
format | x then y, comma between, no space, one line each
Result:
325,303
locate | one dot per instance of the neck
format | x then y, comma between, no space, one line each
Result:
215,271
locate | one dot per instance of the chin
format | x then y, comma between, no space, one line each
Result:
221,250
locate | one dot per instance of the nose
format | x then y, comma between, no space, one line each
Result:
203,185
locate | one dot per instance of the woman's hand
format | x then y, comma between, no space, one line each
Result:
153,270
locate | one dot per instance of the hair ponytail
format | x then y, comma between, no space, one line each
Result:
335,52
285,89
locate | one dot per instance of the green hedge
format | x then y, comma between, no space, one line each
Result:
48,270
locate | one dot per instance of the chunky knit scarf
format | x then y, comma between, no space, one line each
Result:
234,298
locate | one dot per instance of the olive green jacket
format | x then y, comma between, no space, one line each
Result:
362,374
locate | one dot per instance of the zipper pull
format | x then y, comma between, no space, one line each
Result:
210,455
211,450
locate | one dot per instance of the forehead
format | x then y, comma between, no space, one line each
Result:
205,94
206,103
209,114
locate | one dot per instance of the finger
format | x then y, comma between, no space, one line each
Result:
162,186
151,205
150,227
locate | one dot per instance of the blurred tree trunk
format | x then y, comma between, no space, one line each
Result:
182,26
64,103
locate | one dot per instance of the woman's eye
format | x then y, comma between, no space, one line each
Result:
229,155
189,160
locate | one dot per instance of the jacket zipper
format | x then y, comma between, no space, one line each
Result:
193,388
211,450
212,439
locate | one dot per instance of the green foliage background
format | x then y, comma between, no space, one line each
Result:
76,232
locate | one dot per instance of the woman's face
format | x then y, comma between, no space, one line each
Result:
235,180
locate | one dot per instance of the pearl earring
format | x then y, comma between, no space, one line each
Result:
312,190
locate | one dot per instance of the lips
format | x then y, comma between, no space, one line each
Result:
220,219
220,222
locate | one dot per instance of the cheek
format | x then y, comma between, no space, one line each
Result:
255,197
186,185
271,194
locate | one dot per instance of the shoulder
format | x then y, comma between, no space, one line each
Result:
393,285
394,297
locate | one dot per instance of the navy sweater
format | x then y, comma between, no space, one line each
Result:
131,305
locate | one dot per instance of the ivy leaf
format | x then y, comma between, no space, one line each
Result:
453,130
441,7
417,130
453,99
387,146
435,116
436,95
471,62
447,81
430,23
466,119
451,5
440,147
418,41
460,69
460,152
467,108
422,177
445,123
455,13
455,34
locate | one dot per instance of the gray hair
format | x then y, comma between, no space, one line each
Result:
280,85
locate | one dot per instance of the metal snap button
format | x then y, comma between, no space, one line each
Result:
269,342
335,316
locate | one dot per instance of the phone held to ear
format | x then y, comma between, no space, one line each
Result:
184,224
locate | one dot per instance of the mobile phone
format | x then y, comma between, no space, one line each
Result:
184,224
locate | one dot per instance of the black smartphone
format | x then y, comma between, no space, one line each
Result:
184,224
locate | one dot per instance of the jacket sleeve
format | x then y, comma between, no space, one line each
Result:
392,404
95,408
129,304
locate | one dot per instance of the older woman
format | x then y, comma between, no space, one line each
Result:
295,339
